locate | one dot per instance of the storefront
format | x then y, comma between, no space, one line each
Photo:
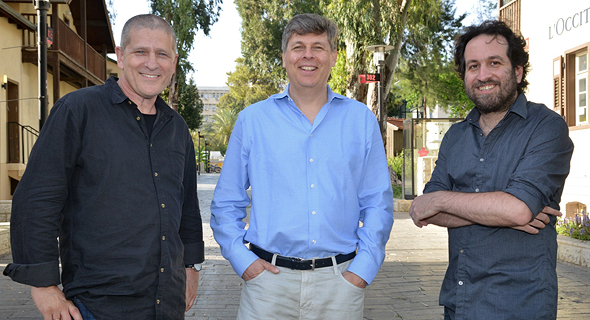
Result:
558,36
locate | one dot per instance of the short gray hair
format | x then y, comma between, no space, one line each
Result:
306,23
147,21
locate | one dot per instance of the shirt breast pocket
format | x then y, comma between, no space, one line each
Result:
175,164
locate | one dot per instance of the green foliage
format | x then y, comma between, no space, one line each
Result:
263,22
397,192
190,105
427,77
246,86
186,18
219,131
395,163
577,228
339,76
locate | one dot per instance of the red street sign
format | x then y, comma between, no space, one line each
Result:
369,78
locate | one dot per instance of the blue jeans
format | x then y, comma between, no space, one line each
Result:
86,315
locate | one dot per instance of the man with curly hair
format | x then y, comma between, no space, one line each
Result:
497,186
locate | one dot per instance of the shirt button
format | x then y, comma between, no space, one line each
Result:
313,185
163,205
163,238
460,283
462,251
313,241
155,174
158,301
476,189
310,160
311,135
138,118
129,102
313,212
480,159
162,270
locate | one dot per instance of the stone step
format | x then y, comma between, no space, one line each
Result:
5,208
4,240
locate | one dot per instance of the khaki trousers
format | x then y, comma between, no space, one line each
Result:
320,294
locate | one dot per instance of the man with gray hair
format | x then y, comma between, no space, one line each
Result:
316,166
113,177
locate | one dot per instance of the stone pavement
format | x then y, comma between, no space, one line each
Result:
406,287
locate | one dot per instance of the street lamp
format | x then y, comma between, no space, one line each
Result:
379,51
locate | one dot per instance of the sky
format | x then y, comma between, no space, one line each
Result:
214,56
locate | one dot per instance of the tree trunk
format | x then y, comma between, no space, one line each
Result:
173,93
392,59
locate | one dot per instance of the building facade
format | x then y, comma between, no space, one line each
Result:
210,97
558,38
80,37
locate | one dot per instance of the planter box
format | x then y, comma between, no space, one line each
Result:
573,250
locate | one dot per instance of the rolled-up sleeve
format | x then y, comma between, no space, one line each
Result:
542,171
39,199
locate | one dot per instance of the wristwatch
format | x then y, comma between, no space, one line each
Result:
197,267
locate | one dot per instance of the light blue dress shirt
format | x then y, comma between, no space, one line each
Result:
311,185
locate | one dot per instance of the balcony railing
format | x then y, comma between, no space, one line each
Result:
510,14
71,44
21,139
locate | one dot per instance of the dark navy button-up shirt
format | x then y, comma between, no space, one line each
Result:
503,273
124,205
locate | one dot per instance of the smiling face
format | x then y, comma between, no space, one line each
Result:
490,79
147,63
308,61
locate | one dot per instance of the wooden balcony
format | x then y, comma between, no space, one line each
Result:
509,13
76,61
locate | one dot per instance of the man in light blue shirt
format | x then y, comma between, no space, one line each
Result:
320,191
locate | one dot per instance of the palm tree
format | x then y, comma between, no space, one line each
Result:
222,126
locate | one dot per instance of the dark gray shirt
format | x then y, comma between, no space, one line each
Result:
503,273
123,203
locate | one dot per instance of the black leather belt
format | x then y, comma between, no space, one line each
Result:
300,264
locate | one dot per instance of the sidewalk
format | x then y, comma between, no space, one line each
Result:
406,288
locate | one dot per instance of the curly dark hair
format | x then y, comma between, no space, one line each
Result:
516,47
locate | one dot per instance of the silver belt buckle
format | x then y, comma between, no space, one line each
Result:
312,264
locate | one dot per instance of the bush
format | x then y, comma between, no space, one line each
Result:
577,228
396,163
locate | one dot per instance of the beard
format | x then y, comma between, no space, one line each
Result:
497,102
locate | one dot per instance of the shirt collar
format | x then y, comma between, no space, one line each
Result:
331,94
519,107
118,97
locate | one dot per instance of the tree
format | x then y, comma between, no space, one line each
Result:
263,22
221,128
426,75
247,86
186,17
485,10
190,105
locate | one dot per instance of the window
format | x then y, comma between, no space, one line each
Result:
581,88
570,86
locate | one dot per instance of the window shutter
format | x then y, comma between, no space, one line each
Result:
558,86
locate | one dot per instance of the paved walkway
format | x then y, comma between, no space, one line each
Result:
406,287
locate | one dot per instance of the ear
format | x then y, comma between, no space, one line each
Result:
284,64
119,53
175,63
518,71
334,57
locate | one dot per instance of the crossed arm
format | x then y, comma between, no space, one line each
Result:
495,209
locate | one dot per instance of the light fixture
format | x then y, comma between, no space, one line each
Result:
379,53
4,81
